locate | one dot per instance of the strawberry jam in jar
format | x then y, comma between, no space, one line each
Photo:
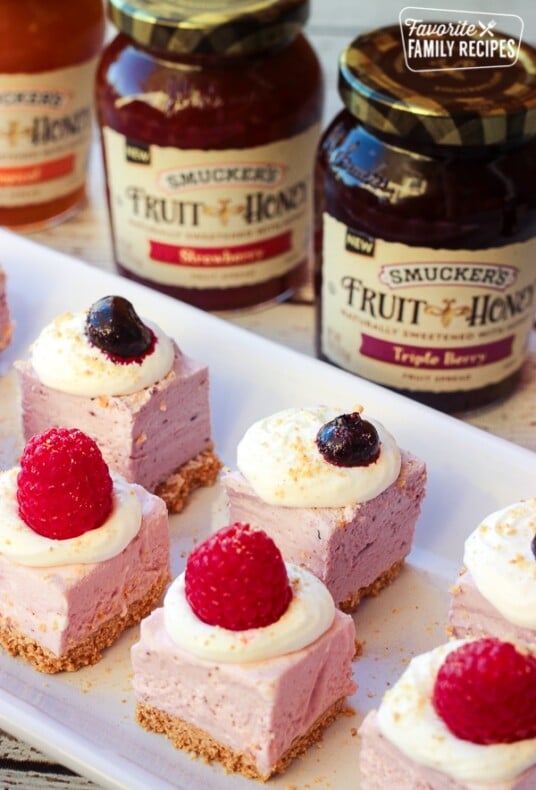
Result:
210,118
48,60
426,224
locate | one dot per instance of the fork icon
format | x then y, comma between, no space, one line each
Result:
487,28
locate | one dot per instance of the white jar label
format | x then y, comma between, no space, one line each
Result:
416,318
45,133
210,219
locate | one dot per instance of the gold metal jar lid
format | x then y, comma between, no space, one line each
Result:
209,26
453,107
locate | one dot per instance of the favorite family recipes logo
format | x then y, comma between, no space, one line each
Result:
439,39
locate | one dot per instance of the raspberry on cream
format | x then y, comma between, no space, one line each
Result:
20,544
83,554
408,720
237,579
64,359
309,615
279,457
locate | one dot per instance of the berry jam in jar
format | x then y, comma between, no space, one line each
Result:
48,60
210,118
426,224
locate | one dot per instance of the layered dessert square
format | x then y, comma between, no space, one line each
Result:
495,593
83,554
128,386
248,661
351,523
462,716
6,325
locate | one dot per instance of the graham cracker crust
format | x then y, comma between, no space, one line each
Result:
198,742
202,470
373,589
89,651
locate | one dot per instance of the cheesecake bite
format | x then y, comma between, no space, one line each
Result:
126,384
462,716
83,553
334,492
248,661
495,593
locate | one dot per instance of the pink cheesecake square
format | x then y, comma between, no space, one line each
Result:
63,617
247,661
255,717
356,550
159,437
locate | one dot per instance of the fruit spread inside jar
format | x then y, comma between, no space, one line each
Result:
209,147
48,60
426,224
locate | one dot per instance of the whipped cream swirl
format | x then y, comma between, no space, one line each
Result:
279,458
64,359
499,556
407,718
19,543
309,615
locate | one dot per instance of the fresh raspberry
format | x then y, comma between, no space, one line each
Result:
64,486
485,692
237,579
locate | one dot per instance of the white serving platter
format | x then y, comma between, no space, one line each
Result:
86,719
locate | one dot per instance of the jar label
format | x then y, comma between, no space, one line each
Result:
45,133
211,219
422,319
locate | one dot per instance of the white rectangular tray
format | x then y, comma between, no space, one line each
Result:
85,720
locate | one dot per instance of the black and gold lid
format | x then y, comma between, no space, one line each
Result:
439,106
209,26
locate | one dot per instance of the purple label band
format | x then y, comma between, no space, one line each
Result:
436,358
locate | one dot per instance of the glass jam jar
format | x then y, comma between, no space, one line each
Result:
48,60
210,119
426,225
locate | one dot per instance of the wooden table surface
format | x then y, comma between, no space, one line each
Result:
87,237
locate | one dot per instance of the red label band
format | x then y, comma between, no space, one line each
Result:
436,358
212,257
36,174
